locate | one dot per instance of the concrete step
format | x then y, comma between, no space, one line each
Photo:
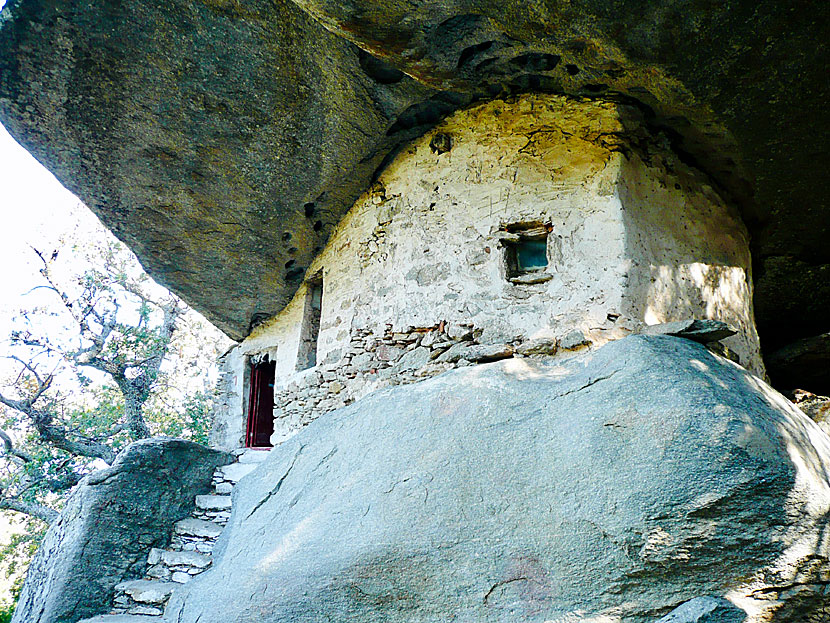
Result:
147,591
122,618
235,471
213,502
176,559
253,456
197,527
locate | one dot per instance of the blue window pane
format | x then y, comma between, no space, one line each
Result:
531,255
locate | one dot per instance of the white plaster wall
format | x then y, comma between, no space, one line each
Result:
636,239
688,252
228,430
420,247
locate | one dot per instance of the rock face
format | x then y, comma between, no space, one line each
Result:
610,485
274,123
113,517
222,140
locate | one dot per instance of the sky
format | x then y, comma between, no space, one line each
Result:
36,211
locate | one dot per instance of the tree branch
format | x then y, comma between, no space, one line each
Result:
30,508
55,434
11,450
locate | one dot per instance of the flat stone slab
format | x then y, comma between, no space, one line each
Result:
538,346
699,330
489,352
253,456
213,502
147,591
197,527
173,559
224,488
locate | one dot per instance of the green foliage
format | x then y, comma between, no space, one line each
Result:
192,422
14,560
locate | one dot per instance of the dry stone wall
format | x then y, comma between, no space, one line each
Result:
394,358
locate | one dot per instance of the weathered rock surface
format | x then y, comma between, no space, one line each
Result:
223,140
109,522
202,133
612,485
705,610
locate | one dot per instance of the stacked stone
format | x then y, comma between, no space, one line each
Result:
195,535
190,550
395,357
215,508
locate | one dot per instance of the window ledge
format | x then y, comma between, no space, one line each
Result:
531,278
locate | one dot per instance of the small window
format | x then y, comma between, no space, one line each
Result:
531,255
526,253
310,330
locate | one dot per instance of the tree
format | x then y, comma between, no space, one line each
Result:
88,376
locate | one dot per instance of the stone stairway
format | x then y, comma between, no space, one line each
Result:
189,553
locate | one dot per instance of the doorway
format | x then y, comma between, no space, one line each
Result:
261,405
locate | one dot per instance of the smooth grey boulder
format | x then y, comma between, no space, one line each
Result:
108,526
612,485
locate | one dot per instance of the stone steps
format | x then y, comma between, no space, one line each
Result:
147,591
146,597
213,502
189,553
197,527
234,472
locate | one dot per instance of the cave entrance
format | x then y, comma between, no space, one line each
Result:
261,405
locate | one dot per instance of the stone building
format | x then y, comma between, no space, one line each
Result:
511,224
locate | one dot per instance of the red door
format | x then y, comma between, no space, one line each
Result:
261,406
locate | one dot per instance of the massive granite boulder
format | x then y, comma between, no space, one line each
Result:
223,140
109,524
615,485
